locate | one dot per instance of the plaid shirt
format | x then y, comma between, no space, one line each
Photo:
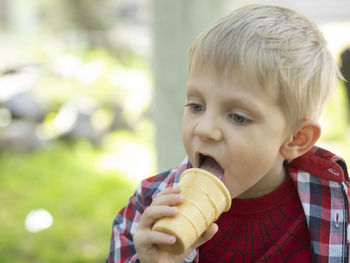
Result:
322,182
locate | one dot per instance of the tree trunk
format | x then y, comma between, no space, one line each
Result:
176,23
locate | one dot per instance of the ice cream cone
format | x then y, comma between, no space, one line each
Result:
205,198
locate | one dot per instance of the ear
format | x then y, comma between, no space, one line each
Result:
301,141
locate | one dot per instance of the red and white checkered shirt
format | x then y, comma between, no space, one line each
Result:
322,182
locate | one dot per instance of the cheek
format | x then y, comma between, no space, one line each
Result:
184,130
186,135
253,157
184,126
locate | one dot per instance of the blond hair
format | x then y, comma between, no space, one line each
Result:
283,48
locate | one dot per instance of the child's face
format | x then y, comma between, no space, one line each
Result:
240,125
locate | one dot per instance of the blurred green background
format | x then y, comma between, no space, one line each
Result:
74,114
76,91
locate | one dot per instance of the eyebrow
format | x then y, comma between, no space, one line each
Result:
192,90
246,103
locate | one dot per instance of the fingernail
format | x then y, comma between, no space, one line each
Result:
179,197
176,189
172,240
172,210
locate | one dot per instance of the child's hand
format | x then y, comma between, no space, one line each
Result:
146,240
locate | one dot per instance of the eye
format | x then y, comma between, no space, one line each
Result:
239,118
195,107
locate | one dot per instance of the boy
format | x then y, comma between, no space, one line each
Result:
257,83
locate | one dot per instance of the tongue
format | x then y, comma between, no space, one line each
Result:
213,167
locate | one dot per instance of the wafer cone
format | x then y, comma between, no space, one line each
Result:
205,198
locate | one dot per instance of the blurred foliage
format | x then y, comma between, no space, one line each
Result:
78,14
335,124
70,59
94,73
68,182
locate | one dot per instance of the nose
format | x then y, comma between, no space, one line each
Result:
208,128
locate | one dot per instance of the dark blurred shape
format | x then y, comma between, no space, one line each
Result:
25,106
74,121
119,122
3,13
83,128
19,136
345,70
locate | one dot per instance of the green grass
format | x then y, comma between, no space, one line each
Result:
82,199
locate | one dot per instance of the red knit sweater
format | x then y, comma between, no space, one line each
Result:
271,228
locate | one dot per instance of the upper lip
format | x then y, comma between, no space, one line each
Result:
200,155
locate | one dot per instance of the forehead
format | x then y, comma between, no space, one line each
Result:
229,77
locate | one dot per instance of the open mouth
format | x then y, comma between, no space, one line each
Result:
211,165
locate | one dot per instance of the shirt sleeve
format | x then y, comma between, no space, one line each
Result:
124,226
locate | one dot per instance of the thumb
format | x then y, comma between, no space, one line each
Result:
207,235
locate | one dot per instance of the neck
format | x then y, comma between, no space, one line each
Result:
267,183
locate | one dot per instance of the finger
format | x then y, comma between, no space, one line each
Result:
207,235
148,238
154,212
168,199
170,190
